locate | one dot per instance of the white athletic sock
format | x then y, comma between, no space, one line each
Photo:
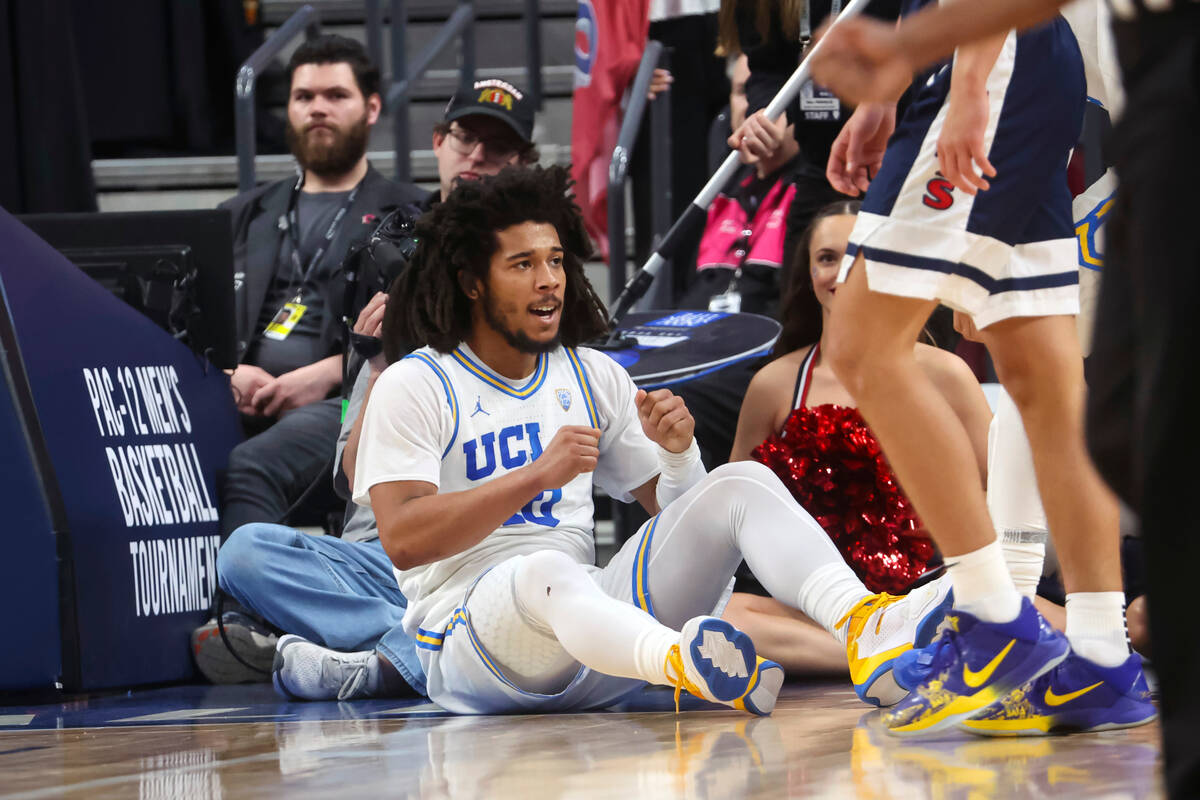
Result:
1025,554
828,594
650,653
1096,626
982,586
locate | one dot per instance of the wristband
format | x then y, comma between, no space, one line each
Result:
678,472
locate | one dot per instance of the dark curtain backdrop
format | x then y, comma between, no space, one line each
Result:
45,155
158,75
84,79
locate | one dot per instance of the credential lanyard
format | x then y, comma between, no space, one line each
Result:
835,8
293,232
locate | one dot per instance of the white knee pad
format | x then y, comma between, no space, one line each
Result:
526,650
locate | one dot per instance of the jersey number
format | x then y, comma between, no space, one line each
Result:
543,504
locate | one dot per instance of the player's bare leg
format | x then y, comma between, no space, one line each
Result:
1038,361
871,337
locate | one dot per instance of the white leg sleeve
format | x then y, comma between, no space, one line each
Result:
601,632
742,510
1013,498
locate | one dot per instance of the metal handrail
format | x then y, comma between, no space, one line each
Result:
533,52
660,166
306,20
460,24
696,212
373,12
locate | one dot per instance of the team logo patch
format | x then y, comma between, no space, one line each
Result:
564,398
938,193
498,97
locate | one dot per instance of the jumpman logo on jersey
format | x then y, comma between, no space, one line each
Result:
479,407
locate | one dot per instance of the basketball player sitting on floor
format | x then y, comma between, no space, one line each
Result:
479,452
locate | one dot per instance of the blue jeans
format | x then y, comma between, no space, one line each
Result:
339,594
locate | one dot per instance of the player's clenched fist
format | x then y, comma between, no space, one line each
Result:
574,449
665,419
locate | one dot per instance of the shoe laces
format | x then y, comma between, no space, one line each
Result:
679,680
354,675
861,611
944,638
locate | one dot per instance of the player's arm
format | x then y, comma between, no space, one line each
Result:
865,60
417,525
937,30
667,422
961,145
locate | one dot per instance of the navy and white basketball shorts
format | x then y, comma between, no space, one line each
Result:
1009,251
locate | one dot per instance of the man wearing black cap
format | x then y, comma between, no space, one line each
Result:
484,130
341,592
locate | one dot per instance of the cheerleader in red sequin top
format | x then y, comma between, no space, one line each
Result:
799,420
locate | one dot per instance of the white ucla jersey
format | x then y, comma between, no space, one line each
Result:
446,419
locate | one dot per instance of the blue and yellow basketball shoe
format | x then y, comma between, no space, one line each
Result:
974,664
1076,696
912,667
881,627
717,662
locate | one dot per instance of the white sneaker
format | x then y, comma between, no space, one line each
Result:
307,671
882,626
717,662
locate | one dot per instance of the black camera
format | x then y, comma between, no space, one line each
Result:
372,265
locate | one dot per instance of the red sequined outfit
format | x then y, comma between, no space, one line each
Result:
829,460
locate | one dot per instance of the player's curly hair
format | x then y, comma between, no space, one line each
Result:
426,303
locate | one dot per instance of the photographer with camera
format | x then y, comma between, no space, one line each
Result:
342,592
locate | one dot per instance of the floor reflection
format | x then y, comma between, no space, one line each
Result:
819,743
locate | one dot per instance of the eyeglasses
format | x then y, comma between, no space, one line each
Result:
496,151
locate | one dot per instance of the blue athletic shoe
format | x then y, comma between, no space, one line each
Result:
1076,696
976,663
717,662
912,667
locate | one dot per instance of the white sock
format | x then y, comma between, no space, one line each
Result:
982,586
650,653
828,594
1025,554
1096,626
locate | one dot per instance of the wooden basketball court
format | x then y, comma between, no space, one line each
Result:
243,741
